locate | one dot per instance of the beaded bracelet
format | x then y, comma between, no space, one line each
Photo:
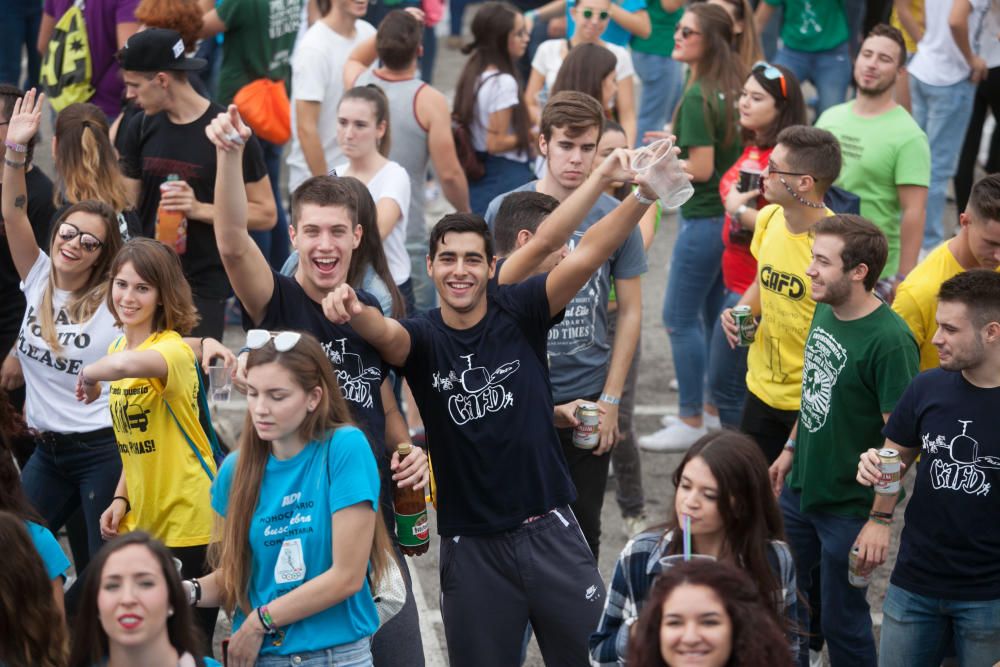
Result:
881,522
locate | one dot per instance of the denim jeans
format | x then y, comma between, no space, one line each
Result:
274,242
355,654
502,175
817,538
727,372
917,630
662,84
692,305
19,31
829,71
942,112
66,472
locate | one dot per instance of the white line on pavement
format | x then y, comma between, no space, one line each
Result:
433,653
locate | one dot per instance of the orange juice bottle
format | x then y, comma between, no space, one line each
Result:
171,226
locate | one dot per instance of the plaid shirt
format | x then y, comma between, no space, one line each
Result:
637,567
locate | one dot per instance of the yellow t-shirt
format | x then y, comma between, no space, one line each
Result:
916,299
167,487
917,9
774,361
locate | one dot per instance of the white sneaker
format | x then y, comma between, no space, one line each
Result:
712,422
674,438
815,658
674,385
633,525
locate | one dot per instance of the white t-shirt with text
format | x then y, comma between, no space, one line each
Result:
496,92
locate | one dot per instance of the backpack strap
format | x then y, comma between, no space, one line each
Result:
190,442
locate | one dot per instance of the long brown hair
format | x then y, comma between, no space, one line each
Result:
746,44
750,515
32,629
160,267
380,103
84,302
584,70
230,549
757,640
90,641
720,72
85,160
12,496
491,28
371,251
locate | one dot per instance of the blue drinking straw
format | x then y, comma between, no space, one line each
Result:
687,537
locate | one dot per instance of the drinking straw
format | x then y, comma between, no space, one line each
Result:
687,537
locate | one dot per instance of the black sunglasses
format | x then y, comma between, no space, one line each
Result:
685,31
589,14
68,231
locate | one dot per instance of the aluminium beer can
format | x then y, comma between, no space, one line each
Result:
586,435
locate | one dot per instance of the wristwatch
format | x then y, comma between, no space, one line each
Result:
642,199
741,210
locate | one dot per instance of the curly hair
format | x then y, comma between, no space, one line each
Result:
184,16
757,641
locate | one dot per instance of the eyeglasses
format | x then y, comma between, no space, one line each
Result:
90,243
283,341
590,13
771,73
773,169
685,32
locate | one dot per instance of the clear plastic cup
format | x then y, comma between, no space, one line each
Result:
676,559
662,170
220,383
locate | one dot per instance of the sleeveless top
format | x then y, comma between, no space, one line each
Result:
408,144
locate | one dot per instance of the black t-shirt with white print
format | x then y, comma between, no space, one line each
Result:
359,368
486,401
950,545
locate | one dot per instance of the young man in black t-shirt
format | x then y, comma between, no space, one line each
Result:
478,370
945,587
169,138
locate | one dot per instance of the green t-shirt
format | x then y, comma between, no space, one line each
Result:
880,153
812,25
259,38
661,40
700,124
853,372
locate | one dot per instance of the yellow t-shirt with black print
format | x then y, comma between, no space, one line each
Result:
774,361
168,489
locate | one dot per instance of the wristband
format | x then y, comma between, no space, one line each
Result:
790,445
15,164
194,591
881,522
881,515
128,505
242,350
642,199
17,148
741,210
269,626
609,399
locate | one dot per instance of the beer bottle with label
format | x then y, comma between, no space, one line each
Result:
171,226
412,528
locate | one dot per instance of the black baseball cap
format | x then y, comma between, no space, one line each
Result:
157,50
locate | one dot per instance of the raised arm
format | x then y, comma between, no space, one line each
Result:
360,59
386,335
595,247
553,233
245,265
22,127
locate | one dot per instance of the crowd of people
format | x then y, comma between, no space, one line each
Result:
828,331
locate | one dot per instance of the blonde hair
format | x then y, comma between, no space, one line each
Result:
230,548
84,302
85,160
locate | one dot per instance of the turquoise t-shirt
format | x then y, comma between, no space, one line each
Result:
291,537
48,548
614,33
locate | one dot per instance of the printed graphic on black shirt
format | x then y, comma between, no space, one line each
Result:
966,470
356,382
481,390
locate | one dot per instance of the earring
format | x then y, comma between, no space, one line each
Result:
170,612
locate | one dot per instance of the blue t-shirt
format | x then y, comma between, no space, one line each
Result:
360,370
291,537
486,402
614,33
578,347
48,548
950,545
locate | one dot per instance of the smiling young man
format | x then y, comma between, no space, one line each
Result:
887,160
584,364
478,370
859,358
945,587
977,245
325,232
169,138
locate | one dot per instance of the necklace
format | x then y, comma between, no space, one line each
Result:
799,198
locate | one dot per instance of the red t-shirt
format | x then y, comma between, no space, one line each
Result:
739,268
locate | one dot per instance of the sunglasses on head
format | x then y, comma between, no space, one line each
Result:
68,231
771,73
685,31
590,13
283,341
